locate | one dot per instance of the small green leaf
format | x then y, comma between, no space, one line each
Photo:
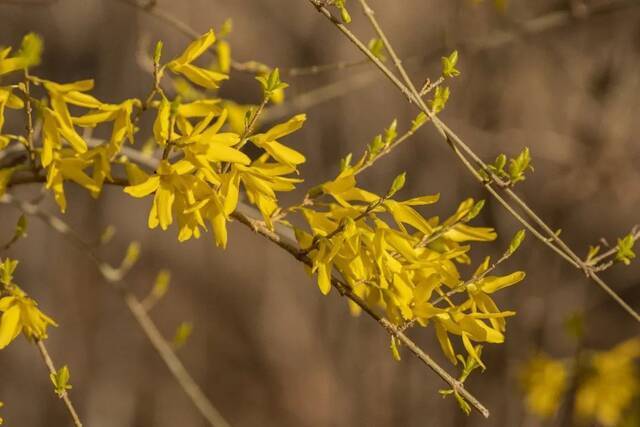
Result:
31,49
376,146
346,162
500,162
132,256
183,332
161,284
157,53
474,211
60,380
440,98
449,65
420,119
519,165
344,13
395,352
271,82
397,184
107,234
624,249
376,47
226,28
593,252
516,242
7,267
391,133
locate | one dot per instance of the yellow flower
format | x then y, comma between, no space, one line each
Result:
611,386
391,268
19,312
200,76
28,55
7,99
268,141
65,165
544,381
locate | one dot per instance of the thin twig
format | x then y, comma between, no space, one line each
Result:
459,146
150,330
346,291
63,393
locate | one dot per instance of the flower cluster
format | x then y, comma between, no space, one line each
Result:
606,384
392,258
20,314
395,259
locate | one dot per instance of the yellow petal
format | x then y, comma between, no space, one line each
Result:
165,198
161,124
324,279
465,233
143,189
196,48
222,153
200,76
283,154
445,343
495,283
9,325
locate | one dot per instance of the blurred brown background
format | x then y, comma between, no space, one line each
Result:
267,348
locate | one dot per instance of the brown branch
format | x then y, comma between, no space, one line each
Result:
150,330
463,150
345,290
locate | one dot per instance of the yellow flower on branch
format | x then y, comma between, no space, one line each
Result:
20,314
184,63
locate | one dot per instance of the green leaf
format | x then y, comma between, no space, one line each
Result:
395,352
593,252
474,211
376,146
624,249
7,267
107,234
157,53
60,380
31,49
449,65
420,119
397,184
376,47
391,133
516,242
161,284
440,98
346,162
132,256
519,165
271,82
227,27
344,13
183,332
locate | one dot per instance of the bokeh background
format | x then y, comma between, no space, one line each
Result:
267,347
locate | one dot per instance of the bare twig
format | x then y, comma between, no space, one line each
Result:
63,393
463,150
151,331
344,290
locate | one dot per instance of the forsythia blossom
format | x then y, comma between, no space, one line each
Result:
19,312
408,267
